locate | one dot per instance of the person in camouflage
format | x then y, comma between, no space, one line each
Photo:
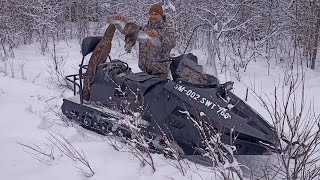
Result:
149,56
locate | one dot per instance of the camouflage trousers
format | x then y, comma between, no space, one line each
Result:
161,70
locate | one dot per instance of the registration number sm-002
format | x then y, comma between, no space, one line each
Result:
209,103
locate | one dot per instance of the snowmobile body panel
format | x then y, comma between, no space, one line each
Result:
169,107
165,104
241,117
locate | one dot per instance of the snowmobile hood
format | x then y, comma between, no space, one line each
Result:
234,115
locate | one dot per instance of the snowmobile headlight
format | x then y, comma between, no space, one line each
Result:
228,86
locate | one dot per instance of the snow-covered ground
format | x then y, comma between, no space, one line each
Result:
30,101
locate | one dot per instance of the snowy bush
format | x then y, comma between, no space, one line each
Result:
298,132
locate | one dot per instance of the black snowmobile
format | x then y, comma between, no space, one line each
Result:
167,106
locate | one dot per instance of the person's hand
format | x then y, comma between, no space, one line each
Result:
119,17
153,33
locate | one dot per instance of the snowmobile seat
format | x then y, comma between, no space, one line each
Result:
89,44
118,72
142,81
140,76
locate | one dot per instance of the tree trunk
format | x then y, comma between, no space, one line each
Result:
315,40
43,41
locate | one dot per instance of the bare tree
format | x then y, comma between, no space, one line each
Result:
46,153
42,154
298,132
219,153
71,152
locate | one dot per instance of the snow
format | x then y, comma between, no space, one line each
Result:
21,111
30,106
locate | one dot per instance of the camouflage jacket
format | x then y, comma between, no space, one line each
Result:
149,55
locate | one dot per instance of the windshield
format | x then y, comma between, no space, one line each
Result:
197,64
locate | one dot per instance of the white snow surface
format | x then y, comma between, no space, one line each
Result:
29,103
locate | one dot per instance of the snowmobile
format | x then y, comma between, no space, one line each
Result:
167,107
